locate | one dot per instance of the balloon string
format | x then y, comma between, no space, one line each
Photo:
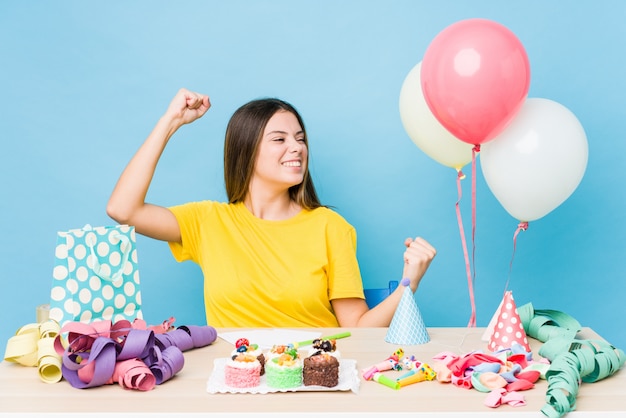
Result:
472,321
475,151
522,226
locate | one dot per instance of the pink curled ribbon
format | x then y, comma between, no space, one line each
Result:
133,374
81,369
137,358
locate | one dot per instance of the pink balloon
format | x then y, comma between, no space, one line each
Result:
475,77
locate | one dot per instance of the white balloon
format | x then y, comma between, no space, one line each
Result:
425,130
537,161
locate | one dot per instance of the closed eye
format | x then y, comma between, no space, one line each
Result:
281,136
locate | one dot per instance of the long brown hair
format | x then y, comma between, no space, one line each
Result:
243,135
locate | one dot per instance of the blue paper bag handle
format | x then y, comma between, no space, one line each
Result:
97,268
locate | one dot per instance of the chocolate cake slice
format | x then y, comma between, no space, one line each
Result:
321,369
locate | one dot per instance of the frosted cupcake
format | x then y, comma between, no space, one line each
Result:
283,370
242,371
278,350
243,346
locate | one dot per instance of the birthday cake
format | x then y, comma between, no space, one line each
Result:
283,368
242,371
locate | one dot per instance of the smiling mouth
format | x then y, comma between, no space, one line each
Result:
292,164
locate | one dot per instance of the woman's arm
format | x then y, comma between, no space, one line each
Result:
354,312
127,202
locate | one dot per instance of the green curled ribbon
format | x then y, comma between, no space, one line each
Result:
572,361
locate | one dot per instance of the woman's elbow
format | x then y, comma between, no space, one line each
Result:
117,213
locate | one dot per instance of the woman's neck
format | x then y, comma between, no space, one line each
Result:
271,207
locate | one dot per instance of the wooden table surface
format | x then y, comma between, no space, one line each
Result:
21,390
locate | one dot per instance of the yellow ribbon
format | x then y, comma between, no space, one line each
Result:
33,346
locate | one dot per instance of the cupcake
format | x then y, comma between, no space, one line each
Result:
283,369
243,346
321,369
278,350
242,371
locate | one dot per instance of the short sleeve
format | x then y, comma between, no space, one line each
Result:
344,274
189,217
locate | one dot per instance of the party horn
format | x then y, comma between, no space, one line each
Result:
424,373
390,363
407,374
384,380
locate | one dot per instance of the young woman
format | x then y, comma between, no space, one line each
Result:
273,255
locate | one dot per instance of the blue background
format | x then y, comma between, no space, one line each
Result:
82,84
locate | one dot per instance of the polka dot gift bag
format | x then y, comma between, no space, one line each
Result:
95,275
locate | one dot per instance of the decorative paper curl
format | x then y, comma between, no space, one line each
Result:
133,355
33,346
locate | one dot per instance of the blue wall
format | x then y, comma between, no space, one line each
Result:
82,84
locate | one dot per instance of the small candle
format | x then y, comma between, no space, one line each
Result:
43,313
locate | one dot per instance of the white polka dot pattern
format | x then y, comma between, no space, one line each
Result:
95,275
509,328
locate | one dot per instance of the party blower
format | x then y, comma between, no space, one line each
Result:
390,363
420,374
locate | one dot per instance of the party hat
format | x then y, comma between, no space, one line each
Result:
492,324
508,328
407,326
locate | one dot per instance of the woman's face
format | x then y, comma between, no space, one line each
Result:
282,155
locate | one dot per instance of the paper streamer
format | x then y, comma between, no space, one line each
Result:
547,324
48,361
586,361
572,361
137,358
33,346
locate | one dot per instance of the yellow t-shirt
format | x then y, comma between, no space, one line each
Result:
260,273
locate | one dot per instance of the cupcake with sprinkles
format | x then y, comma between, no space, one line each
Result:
278,349
283,369
243,346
